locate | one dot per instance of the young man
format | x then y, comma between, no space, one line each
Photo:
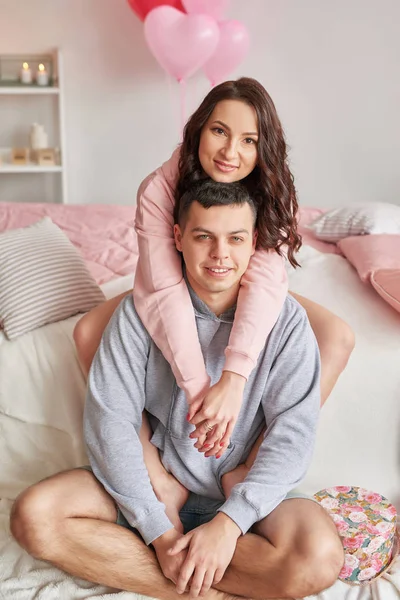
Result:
102,528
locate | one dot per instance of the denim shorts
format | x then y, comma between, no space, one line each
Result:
197,510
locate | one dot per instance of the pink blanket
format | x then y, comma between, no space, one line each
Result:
104,234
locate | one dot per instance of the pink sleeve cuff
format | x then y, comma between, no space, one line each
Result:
238,362
194,388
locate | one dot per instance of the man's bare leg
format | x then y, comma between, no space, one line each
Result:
69,520
294,552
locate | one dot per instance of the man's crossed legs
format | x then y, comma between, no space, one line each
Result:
70,520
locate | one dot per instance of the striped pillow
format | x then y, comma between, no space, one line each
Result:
43,279
361,219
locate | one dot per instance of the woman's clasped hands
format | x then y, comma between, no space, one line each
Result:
215,415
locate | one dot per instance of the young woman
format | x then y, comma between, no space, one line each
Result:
235,134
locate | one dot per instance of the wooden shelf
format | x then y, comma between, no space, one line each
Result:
29,90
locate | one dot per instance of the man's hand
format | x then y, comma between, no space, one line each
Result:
171,565
216,414
210,549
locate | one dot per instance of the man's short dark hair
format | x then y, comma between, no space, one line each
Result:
208,193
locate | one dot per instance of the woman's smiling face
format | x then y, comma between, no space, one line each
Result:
228,141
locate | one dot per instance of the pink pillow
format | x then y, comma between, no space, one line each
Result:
387,283
377,259
369,253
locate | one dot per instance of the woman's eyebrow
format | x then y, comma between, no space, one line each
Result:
229,129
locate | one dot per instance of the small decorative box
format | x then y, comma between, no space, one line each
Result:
366,523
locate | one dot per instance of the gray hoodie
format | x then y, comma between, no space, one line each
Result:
129,374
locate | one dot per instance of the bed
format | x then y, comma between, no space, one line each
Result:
42,392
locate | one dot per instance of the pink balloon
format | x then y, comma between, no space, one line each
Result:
212,8
143,7
181,43
233,45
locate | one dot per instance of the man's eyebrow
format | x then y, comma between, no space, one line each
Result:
238,231
198,229
228,128
202,230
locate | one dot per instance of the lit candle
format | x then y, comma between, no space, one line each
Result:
42,76
26,73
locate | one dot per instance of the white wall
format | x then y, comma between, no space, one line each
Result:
331,67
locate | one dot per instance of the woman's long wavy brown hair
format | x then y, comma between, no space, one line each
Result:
270,184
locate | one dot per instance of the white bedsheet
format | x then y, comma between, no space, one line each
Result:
359,431
41,399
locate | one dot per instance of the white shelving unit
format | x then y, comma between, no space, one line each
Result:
55,89
29,91
7,167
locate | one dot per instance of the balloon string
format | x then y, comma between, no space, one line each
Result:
182,85
193,95
172,99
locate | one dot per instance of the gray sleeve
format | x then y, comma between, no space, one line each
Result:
291,404
112,421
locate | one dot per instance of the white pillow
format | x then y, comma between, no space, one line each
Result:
357,219
43,279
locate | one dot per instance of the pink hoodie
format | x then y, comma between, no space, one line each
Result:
162,298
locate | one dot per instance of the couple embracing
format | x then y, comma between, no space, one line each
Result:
205,389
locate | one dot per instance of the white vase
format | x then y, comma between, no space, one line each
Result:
38,137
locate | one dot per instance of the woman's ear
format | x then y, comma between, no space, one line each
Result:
178,237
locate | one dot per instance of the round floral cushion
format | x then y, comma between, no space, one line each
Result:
366,523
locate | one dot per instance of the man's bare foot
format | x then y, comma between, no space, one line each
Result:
174,495
231,478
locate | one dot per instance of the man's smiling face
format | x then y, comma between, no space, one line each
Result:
217,244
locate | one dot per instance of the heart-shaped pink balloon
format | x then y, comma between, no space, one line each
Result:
212,8
143,7
181,43
233,45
